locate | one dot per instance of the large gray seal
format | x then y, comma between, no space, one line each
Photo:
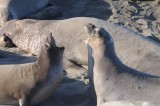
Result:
133,49
18,9
113,80
34,82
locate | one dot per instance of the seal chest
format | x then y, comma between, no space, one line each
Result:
114,81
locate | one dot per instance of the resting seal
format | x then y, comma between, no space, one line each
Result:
32,83
113,80
141,55
18,9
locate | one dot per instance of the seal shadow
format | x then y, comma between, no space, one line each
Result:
71,92
7,58
62,9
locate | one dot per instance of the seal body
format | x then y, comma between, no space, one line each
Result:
114,81
34,82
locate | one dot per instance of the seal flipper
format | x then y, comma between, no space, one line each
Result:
23,101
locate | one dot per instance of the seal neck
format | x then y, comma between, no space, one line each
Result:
43,62
106,51
106,57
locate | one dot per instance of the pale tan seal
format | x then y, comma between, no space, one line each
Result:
141,55
113,80
18,9
30,83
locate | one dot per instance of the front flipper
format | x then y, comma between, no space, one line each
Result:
24,101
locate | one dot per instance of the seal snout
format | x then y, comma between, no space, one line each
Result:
92,30
96,34
89,28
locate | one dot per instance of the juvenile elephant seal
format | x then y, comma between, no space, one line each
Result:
30,83
18,9
114,81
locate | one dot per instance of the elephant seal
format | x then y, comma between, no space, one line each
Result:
142,55
18,9
32,83
113,80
